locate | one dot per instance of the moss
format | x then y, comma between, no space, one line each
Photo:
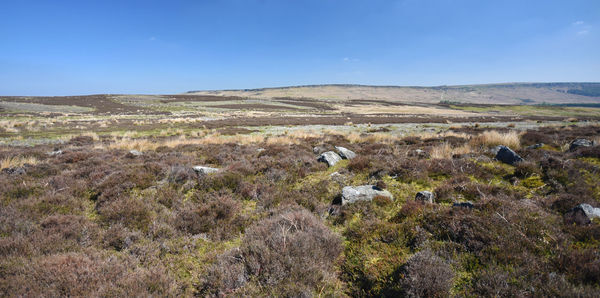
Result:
533,182
592,179
591,160
496,168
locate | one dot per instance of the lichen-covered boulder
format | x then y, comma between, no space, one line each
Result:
578,143
582,214
345,153
425,196
202,170
353,194
329,157
506,155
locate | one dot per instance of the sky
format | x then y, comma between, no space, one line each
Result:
163,47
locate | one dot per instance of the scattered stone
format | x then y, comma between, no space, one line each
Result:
506,155
536,146
205,170
134,153
582,214
55,153
352,194
319,150
330,157
425,196
259,150
580,143
345,153
419,151
468,205
14,171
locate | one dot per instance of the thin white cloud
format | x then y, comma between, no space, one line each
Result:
578,23
583,32
152,38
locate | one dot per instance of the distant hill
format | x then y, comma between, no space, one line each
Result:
506,93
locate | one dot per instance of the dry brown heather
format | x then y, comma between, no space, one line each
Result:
99,221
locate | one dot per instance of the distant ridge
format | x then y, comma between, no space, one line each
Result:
497,93
511,84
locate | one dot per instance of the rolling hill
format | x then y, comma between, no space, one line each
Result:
507,93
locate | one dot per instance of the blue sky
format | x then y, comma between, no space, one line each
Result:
86,47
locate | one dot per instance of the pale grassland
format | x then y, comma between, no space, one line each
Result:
132,140
404,109
215,138
446,151
494,138
17,161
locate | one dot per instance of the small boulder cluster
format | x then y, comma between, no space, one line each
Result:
331,157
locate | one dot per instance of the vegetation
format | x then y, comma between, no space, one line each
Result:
97,220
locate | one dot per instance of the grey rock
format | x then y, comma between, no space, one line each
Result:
345,153
578,143
135,153
420,152
14,171
590,211
55,153
468,205
506,155
425,196
205,170
330,157
353,194
319,150
582,214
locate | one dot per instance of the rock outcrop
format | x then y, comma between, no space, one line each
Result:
134,153
329,157
506,155
345,153
202,170
578,143
352,194
425,196
582,214
55,153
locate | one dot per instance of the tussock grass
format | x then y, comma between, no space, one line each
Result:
378,137
494,138
141,144
17,161
446,151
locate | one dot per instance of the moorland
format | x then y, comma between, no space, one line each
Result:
220,193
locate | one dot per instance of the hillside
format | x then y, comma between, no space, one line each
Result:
509,93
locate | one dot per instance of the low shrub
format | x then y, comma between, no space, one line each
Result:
290,252
427,275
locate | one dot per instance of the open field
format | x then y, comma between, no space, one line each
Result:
81,214
517,93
